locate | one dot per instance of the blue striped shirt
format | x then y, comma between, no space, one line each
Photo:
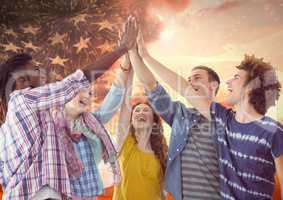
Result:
246,155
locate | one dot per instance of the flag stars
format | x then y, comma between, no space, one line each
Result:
79,18
106,47
30,29
58,61
83,44
29,45
57,39
105,24
11,47
11,32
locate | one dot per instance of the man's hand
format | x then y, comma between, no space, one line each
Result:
141,46
129,36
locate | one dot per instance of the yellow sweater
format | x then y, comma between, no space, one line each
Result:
141,174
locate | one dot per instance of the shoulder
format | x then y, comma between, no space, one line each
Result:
17,96
271,125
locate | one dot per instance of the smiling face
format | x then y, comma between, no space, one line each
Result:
236,87
80,103
199,79
142,116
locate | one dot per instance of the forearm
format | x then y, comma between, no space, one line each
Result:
177,82
143,73
114,98
121,79
110,104
125,114
56,94
93,71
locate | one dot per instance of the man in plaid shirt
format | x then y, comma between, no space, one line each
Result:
31,155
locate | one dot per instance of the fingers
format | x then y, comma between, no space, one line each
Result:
120,34
133,30
127,25
140,40
130,33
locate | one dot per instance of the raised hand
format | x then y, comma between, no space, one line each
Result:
141,46
126,63
128,39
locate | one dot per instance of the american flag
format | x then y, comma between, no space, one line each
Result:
61,35
65,35
66,43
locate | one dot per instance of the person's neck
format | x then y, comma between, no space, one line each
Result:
143,140
245,113
70,115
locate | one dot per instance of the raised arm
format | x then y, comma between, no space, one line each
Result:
93,71
197,99
125,112
115,96
157,95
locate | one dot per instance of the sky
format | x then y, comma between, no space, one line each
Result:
218,33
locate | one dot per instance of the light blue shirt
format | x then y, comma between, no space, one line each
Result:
89,148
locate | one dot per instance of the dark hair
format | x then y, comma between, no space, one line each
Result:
157,139
212,75
265,87
12,64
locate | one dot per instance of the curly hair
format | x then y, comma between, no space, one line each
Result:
264,84
157,139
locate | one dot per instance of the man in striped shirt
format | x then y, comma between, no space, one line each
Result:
250,144
192,167
31,155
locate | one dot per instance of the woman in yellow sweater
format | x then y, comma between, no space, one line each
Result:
143,151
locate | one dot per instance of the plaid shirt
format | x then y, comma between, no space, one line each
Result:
89,184
31,154
93,144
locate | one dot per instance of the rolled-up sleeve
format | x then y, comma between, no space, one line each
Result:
162,104
58,93
110,104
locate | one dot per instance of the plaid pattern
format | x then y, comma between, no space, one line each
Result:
89,184
110,153
32,154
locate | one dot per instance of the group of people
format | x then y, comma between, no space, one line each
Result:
51,144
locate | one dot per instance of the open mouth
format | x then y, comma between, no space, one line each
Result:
141,118
83,103
230,90
195,88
